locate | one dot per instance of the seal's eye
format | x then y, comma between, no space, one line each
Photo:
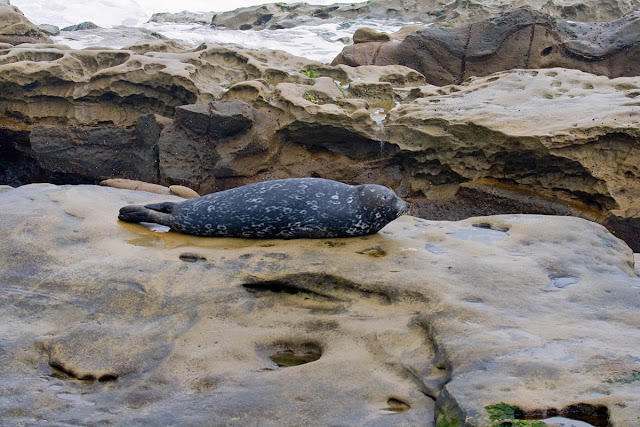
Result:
384,197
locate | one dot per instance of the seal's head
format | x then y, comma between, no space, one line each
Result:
380,204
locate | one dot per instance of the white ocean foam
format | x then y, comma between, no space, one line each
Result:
107,13
319,42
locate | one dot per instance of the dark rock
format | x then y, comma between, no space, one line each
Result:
625,224
217,120
90,154
518,39
16,167
80,27
215,140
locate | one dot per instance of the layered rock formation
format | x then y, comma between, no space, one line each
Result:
426,322
519,39
517,141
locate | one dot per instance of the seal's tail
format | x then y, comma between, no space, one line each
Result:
158,213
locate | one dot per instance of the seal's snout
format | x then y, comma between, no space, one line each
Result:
402,207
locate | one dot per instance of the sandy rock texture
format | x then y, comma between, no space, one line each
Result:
16,29
561,110
55,84
283,15
552,141
522,38
424,323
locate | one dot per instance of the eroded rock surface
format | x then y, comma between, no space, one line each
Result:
425,321
538,141
518,39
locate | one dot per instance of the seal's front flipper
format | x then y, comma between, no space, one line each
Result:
165,207
136,213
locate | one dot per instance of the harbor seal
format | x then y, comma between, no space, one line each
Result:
285,208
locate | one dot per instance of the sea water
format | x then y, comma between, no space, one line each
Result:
318,42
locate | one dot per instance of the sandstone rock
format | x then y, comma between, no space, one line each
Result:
168,46
130,184
364,34
541,132
519,39
16,29
105,86
182,191
563,147
424,322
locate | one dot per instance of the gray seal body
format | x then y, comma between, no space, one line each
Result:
285,208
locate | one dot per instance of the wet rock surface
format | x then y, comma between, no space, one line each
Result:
518,39
424,321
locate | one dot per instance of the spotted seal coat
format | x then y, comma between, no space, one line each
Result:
285,208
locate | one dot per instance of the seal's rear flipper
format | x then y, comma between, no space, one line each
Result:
136,213
165,207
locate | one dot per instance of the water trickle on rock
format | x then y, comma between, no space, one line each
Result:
378,116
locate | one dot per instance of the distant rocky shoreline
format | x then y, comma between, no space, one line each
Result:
453,14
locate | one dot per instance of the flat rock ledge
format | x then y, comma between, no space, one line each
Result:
425,322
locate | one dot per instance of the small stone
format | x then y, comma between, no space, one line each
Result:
182,191
364,35
130,184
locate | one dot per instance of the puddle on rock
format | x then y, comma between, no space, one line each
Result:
435,249
375,251
191,257
395,406
288,355
561,282
578,415
156,227
566,422
288,358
